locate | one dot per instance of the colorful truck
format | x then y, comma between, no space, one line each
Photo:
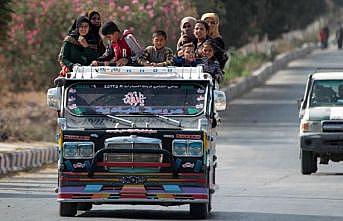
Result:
136,135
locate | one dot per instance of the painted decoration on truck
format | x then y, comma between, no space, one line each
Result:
134,98
104,98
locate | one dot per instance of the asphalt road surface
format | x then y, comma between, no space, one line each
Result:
259,167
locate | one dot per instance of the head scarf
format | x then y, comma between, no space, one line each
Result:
190,20
90,14
215,33
74,30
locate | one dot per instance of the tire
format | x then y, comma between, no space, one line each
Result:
199,210
84,206
308,162
68,209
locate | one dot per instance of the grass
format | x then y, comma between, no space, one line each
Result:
242,65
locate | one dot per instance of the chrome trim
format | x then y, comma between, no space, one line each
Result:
186,201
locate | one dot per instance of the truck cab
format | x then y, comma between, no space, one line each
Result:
321,119
136,135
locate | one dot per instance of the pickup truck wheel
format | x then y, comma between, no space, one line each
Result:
308,162
68,209
84,206
199,210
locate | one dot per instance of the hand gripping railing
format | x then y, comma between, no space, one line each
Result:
99,153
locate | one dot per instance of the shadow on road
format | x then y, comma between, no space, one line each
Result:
220,215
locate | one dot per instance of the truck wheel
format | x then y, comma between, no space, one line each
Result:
84,206
308,162
68,209
314,164
199,210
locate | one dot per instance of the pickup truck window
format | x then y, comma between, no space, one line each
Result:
327,93
84,99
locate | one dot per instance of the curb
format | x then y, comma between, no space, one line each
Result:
259,76
27,159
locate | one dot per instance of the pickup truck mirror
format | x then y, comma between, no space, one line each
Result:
219,100
54,98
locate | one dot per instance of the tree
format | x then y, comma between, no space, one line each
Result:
5,17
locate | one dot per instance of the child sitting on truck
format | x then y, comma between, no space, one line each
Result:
124,48
188,57
211,64
158,54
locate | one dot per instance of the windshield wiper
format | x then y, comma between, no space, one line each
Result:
165,119
122,120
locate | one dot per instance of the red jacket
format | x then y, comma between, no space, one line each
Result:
122,49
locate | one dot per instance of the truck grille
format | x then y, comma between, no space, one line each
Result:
332,126
129,157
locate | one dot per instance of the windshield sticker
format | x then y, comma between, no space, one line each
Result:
72,90
71,99
78,111
134,98
200,91
192,110
200,98
199,106
72,106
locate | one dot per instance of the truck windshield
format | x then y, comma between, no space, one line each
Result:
84,98
327,93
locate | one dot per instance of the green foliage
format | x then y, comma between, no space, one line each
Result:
242,20
242,65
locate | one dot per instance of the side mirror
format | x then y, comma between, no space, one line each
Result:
219,100
54,98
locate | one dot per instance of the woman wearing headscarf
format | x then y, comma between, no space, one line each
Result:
93,38
186,26
75,49
212,20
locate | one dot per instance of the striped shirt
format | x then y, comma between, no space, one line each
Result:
162,56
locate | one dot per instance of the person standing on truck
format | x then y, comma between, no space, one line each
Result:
212,20
157,55
201,30
75,50
187,29
124,48
211,64
94,39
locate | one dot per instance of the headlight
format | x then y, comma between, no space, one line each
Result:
179,148
310,126
77,150
69,150
187,148
195,148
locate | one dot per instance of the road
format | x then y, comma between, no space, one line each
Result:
259,168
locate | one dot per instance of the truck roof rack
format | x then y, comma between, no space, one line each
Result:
138,73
